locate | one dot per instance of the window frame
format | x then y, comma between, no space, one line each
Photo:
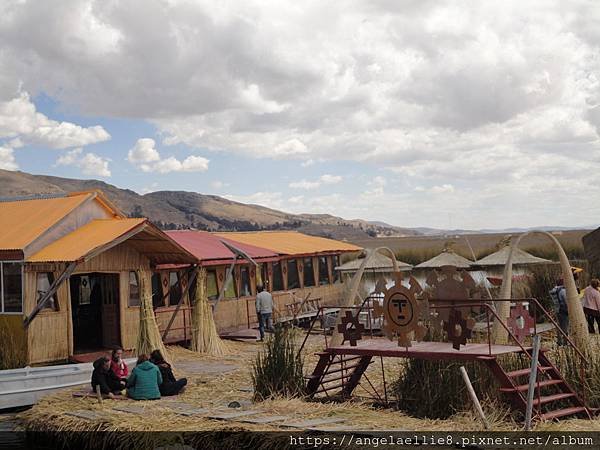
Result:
22,264
46,309
308,273
280,265
323,262
179,288
246,268
212,272
139,297
296,272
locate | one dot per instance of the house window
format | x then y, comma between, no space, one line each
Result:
174,289
292,270
43,282
309,274
245,289
157,292
212,291
336,273
134,290
277,277
323,270
230,288
11,287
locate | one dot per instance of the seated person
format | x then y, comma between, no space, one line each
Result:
105,378
117,365
170,385
144,380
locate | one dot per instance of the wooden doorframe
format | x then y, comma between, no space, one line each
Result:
70,324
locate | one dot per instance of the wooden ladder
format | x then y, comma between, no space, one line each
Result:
554,397
336,373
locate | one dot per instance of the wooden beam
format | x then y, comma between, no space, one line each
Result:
193,272
50,292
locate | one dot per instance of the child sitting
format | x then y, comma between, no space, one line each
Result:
102,376
118,366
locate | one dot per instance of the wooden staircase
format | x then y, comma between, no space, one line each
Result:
554,397
336,375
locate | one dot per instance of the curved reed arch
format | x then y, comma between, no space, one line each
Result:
336,338
577,324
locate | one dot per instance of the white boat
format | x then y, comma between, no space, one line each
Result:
24,387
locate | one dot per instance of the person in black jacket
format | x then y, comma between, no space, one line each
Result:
170,385
105,378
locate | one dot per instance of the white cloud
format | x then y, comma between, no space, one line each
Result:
145,156
323,179
143,152
89,163
20,122
495,99
7,159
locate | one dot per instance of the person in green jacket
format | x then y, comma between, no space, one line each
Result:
144,380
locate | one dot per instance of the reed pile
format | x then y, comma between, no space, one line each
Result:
205,338
149,338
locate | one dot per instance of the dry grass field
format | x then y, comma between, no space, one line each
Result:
416,249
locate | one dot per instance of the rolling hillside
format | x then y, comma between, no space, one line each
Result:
180,209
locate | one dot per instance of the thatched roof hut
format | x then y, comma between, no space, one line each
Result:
446,258
71,268
379,263
520,258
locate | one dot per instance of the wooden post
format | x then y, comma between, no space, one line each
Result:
532,380
473,396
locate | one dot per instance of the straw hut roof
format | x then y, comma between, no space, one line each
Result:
446,258
520,257
211,250
290,242
378,263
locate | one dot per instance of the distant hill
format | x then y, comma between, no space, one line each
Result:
181,210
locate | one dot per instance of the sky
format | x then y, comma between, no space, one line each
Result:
441,114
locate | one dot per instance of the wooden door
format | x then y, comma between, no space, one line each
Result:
111,335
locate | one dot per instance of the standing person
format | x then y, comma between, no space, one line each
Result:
117,365
102,376
144,380
170,385
591,304
559,298
264,310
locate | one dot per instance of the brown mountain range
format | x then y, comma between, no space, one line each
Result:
180,209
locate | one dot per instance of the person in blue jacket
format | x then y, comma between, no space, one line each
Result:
144,381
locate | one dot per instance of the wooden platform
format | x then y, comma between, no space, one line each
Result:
422,350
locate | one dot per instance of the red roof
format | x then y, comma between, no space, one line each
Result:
209,249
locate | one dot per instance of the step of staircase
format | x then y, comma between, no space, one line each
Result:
526,371
525,387
552,398
562,412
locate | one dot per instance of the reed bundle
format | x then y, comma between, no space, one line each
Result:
149,338
13,350
205,338
578,330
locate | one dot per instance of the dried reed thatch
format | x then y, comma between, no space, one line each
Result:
578,330
13,351
149,337
205,338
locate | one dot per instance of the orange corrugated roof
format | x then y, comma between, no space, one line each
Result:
23,221
76,245
290,242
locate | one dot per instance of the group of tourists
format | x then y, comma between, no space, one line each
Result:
151,378
591,307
